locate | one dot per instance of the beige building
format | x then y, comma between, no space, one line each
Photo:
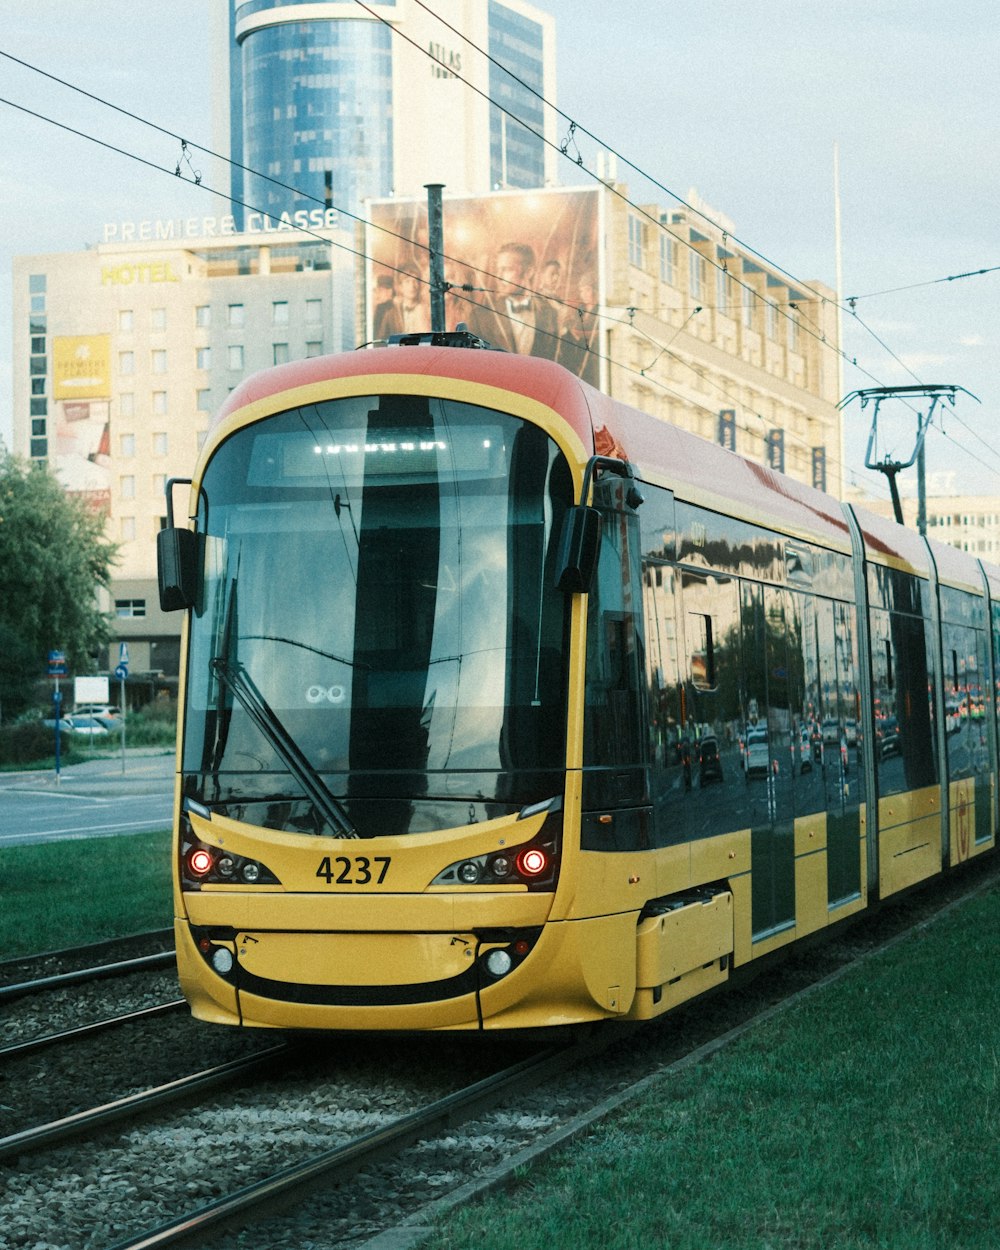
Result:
123,351
969,522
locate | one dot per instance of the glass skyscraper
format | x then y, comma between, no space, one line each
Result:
330,106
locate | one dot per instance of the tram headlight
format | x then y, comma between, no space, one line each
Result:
498,963
202,864
222,960
534,864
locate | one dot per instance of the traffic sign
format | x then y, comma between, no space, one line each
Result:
121,672
57,664
123,653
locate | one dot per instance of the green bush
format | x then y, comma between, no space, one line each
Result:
31,741
155,725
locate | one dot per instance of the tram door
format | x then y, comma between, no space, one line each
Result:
841,750
767,750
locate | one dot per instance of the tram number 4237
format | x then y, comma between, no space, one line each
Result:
357,871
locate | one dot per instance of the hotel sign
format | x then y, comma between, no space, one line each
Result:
162,230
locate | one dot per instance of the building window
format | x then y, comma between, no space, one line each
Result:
38,386
160,403
697,271
126,320
770,319
203,400
157,319
159,360
314,348
235,316
126,445
128,528
235,356
38,427
279,312
38,365
39,408
749,296
636,243
37,283
126,486
203,316
39,448
203,358
126,362
314,312
281,353
38,344
159,484
38,303
793,331
126,404
160,443
130,607
668,259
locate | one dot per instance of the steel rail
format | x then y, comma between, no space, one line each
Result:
88,948
81,976
57,1131
19,1049
369,1148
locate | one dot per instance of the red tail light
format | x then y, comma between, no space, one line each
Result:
199,861
532,861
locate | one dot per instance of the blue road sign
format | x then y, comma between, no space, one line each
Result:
121,672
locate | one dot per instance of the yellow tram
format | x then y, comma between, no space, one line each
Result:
505,705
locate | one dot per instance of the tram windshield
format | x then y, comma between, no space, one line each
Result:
378,646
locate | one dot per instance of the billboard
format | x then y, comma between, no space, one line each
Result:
522,267
81,366
79,433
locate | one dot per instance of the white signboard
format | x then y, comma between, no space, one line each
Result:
90,690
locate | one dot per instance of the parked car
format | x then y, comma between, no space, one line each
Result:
888,737
709,760
756,755
89,726
64,723
803,742
97,709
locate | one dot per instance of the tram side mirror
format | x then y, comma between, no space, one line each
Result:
579,547
177,568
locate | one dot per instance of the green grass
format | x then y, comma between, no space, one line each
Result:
60,894
866,1116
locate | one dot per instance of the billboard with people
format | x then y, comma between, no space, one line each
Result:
522,271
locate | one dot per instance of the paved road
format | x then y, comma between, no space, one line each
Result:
92,799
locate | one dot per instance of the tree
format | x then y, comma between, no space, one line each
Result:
53,558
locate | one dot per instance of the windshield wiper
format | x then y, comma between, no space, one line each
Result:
238,681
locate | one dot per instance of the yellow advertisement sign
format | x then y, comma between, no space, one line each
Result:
81,366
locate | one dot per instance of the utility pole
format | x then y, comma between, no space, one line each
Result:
435,245
878,395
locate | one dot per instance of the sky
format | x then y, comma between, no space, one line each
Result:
741,101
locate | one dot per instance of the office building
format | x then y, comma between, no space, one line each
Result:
329,104
123,352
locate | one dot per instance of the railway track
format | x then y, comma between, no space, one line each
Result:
91,958
363,1136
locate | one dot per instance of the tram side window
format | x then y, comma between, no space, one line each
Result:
963,646
614,728
903,686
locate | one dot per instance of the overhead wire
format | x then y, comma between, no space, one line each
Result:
360,254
